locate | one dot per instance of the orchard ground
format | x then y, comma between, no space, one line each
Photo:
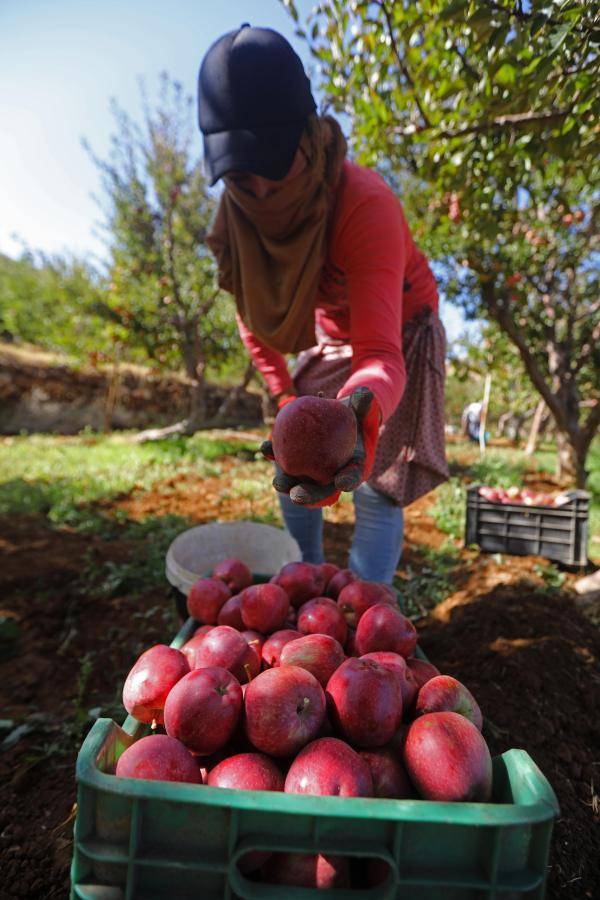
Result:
84,526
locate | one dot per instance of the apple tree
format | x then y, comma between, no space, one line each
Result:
162,292
484,116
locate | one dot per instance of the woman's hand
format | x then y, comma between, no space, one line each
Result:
365,407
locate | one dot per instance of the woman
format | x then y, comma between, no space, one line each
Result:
320,260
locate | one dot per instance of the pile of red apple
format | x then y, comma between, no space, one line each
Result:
306,684
523,496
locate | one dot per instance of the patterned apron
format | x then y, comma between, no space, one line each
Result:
410,459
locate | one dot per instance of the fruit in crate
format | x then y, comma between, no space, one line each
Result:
283,710
203,709
397,664
313,438
309,871
247,772
383,627
388,774
231,613
234,573
148,684
422,670
339,581
301,582
255,641
223,646
327,570
365,702
265,607
205,599
445,694
358,596
329,766
447,758
158,757
319,654
525,496
322,616
274,644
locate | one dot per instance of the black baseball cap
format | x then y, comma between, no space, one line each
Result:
253,102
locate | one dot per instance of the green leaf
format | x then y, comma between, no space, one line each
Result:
506,75
452,9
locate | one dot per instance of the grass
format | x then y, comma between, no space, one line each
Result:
60,477
432,582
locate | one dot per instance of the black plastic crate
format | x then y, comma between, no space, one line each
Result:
559,533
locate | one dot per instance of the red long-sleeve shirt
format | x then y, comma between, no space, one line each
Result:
374,278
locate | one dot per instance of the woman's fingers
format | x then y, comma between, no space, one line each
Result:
282,482
266,448
307,494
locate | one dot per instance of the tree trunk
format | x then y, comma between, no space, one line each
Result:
535,428
570,459
232,396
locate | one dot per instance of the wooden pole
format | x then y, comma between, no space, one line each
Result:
484,411
535,428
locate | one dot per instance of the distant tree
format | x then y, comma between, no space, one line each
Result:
49,301
162,285
484,115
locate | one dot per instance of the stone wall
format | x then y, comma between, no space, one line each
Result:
39,393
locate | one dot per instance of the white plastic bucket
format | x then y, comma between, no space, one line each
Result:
195,552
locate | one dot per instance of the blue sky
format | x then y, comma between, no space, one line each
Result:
61,62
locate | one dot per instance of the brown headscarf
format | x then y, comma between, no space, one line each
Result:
270,251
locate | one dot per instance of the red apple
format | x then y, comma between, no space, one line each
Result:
224,647
422,670
234,573
301,582
265,607
205,599
388,774
231,613
323,616
203,708
447,758
316,871
202,629
365,702
247,772
358,596
406,678
329,766
255,641
150,680
445,694
313,438
274,644
339,581
319,654
284,709
158,758
383,627
327,570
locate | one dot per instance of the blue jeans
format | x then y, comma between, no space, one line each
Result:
378,533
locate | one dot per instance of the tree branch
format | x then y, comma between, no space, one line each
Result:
507,324
401,64
513,120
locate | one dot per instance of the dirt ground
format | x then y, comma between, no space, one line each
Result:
525,649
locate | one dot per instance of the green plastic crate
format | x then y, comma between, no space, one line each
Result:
152,840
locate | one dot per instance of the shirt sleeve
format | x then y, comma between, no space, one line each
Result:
373,243
270,363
